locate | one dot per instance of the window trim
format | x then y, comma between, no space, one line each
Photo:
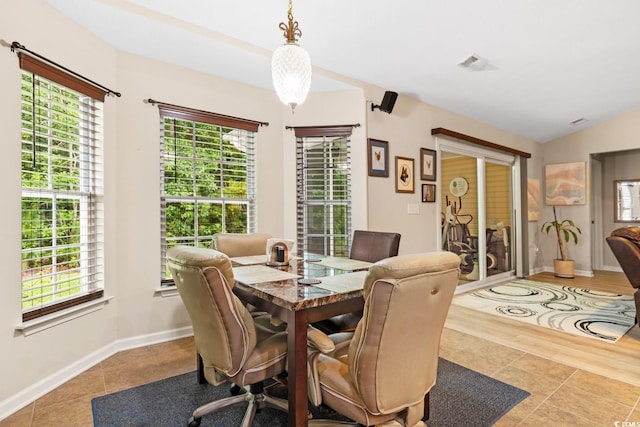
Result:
329,131
68,81
177,112
29,327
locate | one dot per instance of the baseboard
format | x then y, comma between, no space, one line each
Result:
536,270
615,268
584,273
44,386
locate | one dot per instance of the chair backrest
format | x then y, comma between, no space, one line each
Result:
393,356
223,329
238,244
372,246
625,245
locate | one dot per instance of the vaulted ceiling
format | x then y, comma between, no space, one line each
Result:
542,64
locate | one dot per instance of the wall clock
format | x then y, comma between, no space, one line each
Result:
459,186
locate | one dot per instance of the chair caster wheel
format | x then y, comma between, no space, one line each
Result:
194,422
235,389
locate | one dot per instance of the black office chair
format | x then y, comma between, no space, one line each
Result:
370,246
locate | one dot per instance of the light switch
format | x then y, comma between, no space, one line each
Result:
413,209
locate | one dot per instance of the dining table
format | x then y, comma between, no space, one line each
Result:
309,289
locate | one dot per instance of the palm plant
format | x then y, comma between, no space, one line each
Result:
565,230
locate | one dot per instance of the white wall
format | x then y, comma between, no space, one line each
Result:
32,365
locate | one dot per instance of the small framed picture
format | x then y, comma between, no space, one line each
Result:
378,157
427,164
428,193
404,175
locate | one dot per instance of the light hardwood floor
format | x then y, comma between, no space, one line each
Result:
617,361
572,380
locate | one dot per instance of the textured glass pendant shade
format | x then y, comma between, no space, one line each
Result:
291,65
291,72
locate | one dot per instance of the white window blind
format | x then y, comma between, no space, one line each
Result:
207,178
323,190
62,194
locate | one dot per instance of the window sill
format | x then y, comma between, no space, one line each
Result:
45,322
167,291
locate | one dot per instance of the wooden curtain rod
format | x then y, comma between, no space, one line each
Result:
18,46
189,111
478,141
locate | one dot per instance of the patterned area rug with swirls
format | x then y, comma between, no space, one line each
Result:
582,312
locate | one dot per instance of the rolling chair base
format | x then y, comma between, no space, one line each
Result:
255,398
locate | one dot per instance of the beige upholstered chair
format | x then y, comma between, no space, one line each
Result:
231,346
370,246
382,373
238,244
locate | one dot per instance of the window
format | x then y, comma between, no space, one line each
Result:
207,178
62,192
324,190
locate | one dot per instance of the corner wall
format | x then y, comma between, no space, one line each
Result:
616,134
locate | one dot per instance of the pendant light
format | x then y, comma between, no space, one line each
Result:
291,66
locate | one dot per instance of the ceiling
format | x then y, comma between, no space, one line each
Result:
548,62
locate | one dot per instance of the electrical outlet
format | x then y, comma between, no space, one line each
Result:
413,209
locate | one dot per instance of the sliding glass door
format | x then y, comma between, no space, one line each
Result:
477,211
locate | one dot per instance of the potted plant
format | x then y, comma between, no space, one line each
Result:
565,230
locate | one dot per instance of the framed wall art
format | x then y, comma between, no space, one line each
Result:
533,199
565,184
427,164
378,157
428,193
404,175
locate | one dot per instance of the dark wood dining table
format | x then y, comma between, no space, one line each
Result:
299,305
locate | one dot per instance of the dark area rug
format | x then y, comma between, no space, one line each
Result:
461,397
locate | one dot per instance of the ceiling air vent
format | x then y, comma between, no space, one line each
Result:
578,122
476,63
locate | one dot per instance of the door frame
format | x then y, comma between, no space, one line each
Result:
482,155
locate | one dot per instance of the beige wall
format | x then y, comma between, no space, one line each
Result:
28,360
615,167
136,316
407,130
617,134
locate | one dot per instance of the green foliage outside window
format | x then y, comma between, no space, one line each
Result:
206,181
56,180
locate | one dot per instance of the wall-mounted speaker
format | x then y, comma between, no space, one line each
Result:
388,101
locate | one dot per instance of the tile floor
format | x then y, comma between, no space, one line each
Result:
560,395
70,404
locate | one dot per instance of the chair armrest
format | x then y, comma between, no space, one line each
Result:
318,340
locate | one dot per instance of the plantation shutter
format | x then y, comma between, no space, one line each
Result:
62,189
207,177
323,160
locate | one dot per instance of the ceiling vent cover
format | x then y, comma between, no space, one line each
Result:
476,63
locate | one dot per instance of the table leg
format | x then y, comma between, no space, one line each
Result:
200,370
297,368
426,413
